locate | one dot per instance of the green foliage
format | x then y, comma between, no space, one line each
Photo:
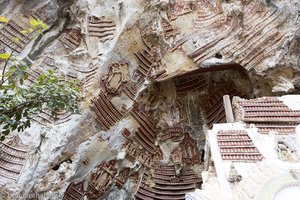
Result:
4,56
19,103
3,19
35,25
38,25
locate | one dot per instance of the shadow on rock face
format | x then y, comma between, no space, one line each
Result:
3,5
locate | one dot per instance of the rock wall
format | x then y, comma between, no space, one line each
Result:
153,74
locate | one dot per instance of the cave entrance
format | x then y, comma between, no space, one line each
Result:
195,98
204,89
189,103
198,94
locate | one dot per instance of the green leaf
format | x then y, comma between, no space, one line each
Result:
14,127
50,92
24,32
3,19
51,72
33,22
6,132
16,39
18,116
27,123
38,24
13,68
44,26
6,126
4,56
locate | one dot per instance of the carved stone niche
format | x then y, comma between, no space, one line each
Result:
75,191
283,151
168,29
101,27
143,156
40,13
48,62
72,74
131,150
234,177
137,152
190,151
126,133
9,32
179,7
115,80
71,38
13,155
157,157
131,89
101,180
122,177
174,133
176,156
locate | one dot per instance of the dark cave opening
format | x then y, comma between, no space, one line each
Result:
55,168
219,56
194,100
199,93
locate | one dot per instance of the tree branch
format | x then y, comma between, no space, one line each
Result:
4,68
3,72
21,106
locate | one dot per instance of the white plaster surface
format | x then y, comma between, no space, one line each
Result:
292,101
254,175
290,193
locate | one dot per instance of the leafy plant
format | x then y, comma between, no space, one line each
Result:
3,19
19,103
38,24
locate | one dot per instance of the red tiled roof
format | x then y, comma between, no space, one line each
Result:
268,114
236,145
167,184
13,155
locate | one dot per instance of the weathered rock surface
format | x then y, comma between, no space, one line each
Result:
153,76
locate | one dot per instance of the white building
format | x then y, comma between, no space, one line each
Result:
258,156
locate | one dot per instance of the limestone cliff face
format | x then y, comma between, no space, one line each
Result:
153,74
